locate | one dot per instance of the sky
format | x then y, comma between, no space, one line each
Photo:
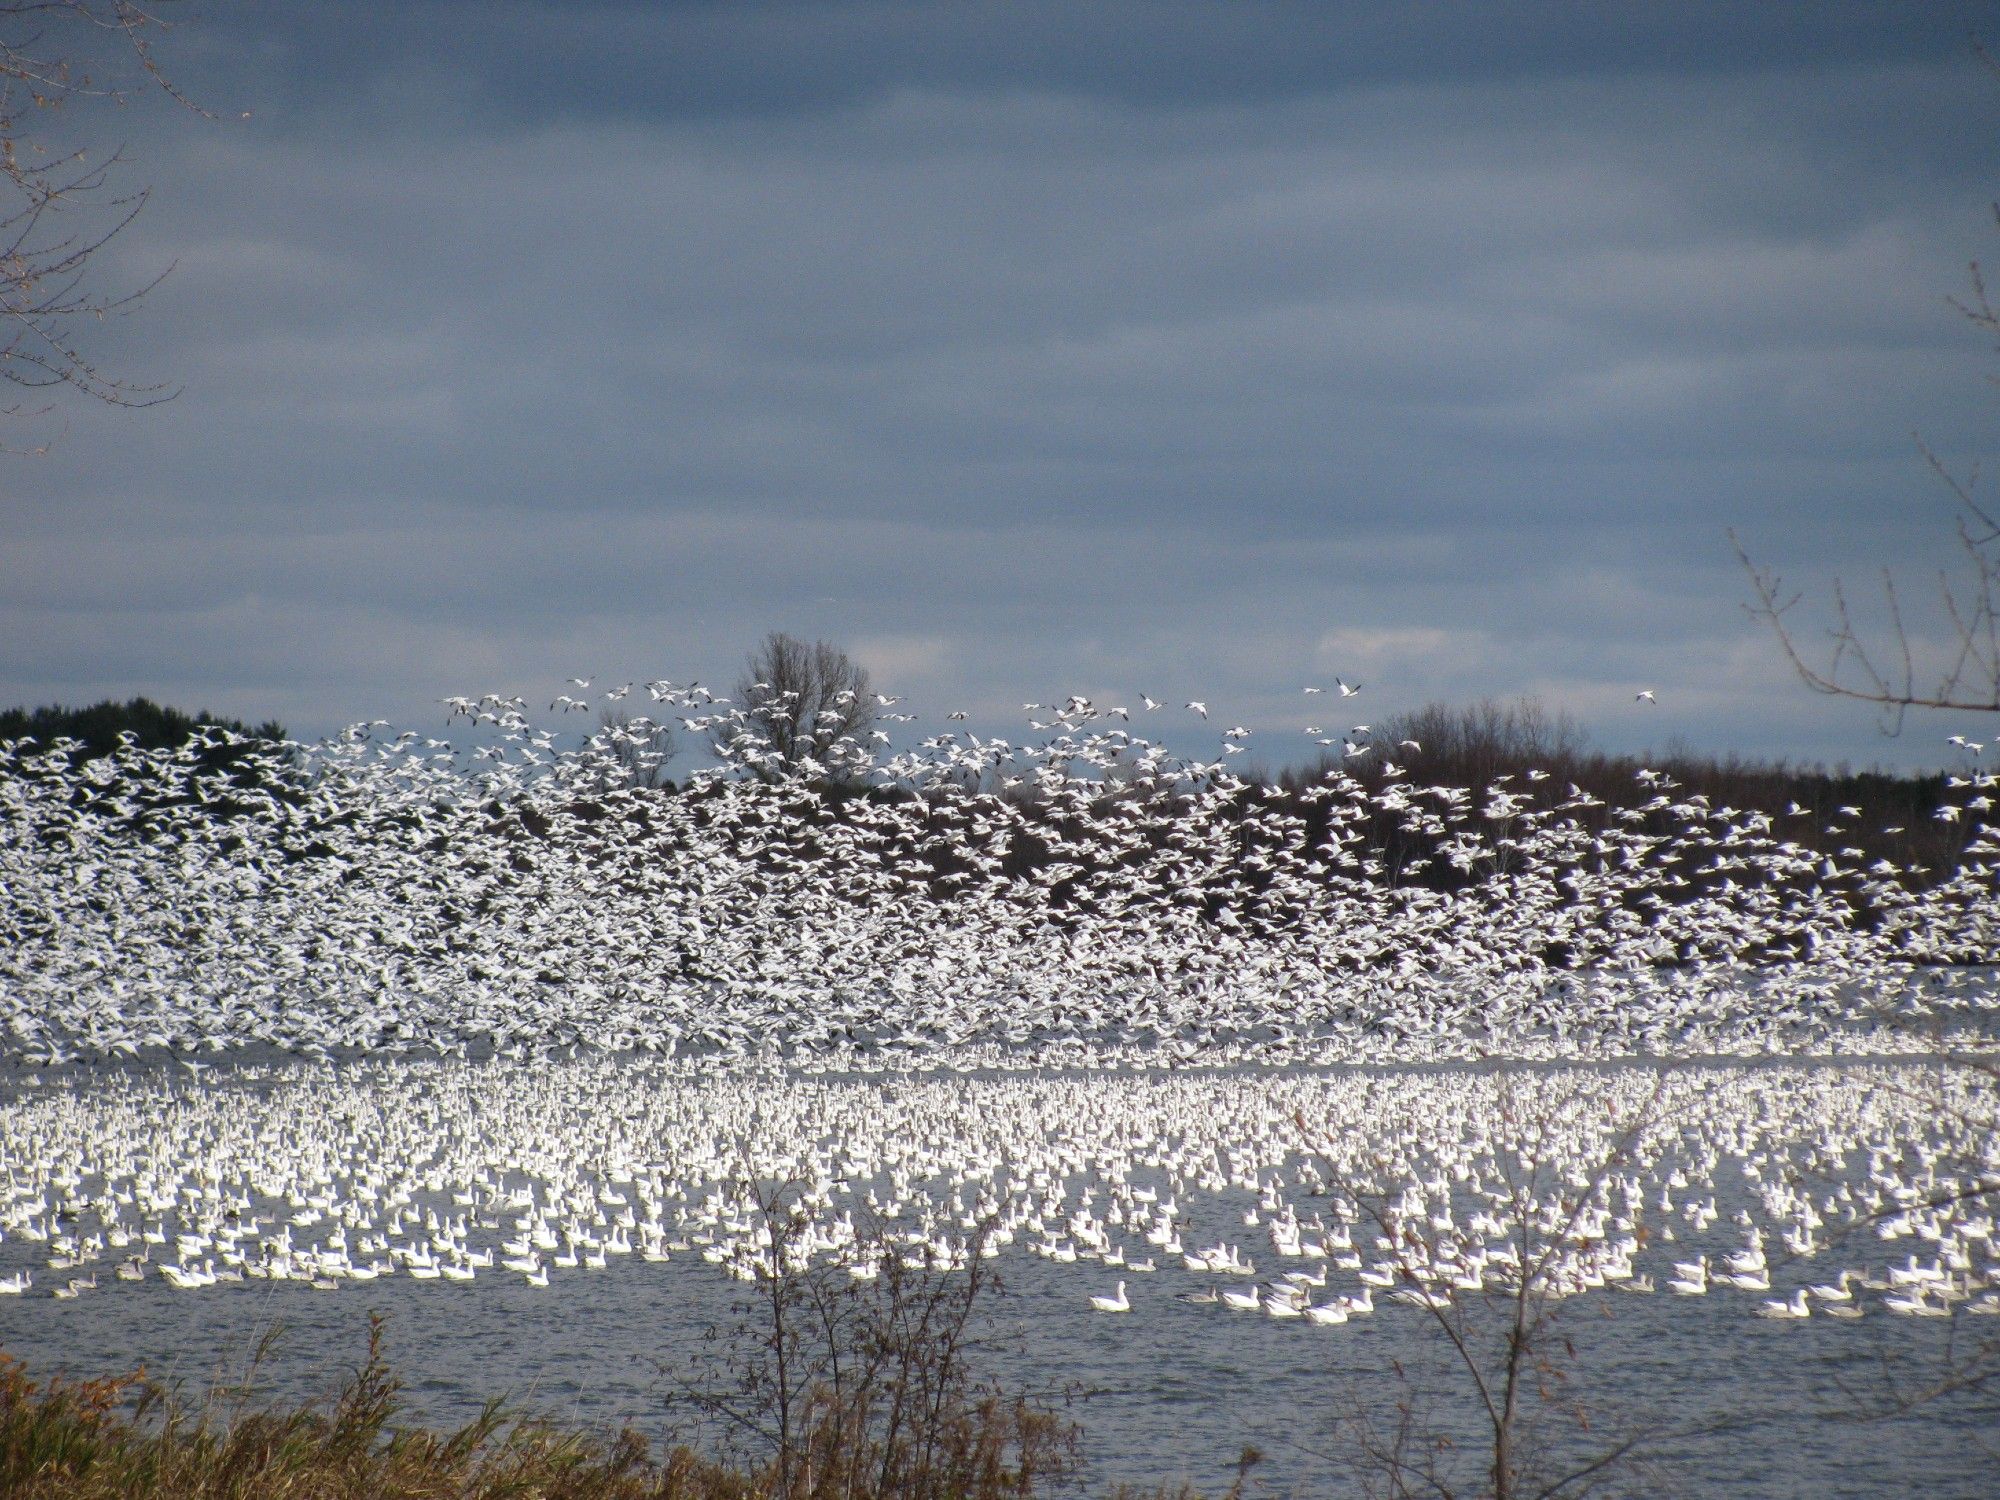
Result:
1208,351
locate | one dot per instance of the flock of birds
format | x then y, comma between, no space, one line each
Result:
387,892
384,1011
1797,1189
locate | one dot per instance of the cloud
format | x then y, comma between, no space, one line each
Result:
1074,353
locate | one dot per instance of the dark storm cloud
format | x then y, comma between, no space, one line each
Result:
731,60
1210,350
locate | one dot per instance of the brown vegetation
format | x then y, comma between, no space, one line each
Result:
128,1437
852,1376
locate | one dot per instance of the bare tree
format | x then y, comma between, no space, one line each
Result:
852,1374
1880,666
801,706
638,749
1563,1141
59,205
1470,744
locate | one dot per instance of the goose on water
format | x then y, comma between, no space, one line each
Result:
1795,1307
1113,1304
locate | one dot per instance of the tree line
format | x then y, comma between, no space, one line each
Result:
810,708
102,727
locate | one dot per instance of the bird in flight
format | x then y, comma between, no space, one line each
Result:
1645,695
1347,690
1200,708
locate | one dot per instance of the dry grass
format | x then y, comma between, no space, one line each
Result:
128,1437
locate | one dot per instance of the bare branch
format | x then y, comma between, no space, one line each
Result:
804,708
1882,669
57,206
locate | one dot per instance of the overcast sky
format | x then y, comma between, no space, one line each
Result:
1208,351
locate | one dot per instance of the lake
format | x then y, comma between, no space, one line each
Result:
355,1174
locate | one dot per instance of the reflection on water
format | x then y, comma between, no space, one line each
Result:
311,1194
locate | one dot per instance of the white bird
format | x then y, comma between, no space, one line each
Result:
1795,1308
1116,1304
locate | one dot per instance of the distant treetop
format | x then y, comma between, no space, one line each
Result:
99,726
